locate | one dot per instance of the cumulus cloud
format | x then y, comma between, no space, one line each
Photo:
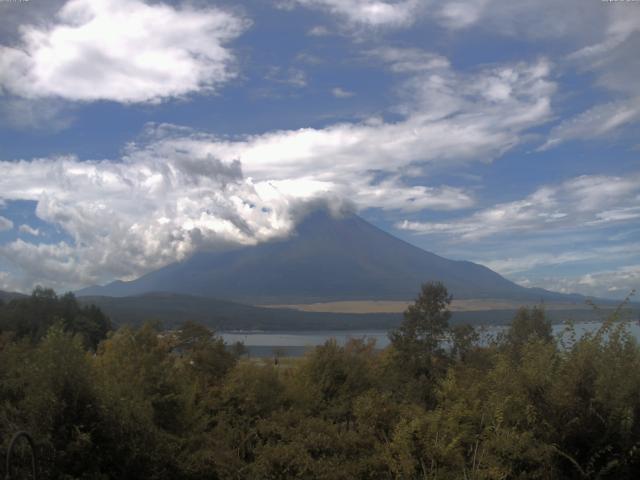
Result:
176,190
585,201
5,224
128,217
121,50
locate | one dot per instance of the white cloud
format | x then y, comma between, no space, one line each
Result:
291,76
543,19
581,202
45,114
409,60
29,230
318,31
128,217
339,92
524,263
614,61
121,50
5,224
176,190
595,122
620,25
448,117
5,283
371,13
614,283
537,20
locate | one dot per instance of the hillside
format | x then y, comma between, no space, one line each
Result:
7,296
326,259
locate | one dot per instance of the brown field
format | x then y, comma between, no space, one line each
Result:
388,306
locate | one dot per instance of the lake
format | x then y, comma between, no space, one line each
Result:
296,343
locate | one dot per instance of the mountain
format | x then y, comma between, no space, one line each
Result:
8,296
325,259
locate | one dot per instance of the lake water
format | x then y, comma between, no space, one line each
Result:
296,343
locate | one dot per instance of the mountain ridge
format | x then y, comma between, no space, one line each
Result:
325,259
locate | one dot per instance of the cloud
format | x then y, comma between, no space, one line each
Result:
524,263
125,51
129,217
370,13
614,62
318,31
545,19
339,92
540,20
176,190
5,224
409,60
613,283
44,114
125,218
4,281
446,117
595,122
29,230
290,76
581,202
621,25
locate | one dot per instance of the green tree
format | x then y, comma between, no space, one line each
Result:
417,343
33,316
528,325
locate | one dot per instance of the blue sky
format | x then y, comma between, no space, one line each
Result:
134,133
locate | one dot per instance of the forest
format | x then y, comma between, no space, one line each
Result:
143,403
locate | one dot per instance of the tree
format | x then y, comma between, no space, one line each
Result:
463,339
417,342
32,317
529,324
427,320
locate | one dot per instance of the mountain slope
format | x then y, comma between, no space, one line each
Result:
325,259
8,296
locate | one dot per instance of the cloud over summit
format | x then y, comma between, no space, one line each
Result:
176,190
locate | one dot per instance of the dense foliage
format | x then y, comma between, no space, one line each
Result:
167,405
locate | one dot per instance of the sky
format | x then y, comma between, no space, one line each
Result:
134,133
